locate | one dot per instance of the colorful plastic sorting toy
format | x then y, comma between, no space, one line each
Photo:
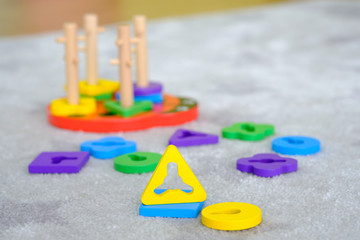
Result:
248,131
59,162
134,111
185,138
231,216
173,111
266,165
296,145
108,147
178,210
149,197
138,162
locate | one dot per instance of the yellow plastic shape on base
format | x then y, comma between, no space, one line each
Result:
60,107
103,87
231,216
170,196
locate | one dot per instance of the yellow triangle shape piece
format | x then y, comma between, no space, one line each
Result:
149,197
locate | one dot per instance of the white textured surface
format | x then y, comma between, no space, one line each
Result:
296,66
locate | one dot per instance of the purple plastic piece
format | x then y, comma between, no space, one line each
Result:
185,138
59,162
152,88
266,165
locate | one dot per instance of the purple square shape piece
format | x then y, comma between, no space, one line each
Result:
186,138
59,162
266,165
152,88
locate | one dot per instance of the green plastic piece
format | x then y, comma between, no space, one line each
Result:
248,131
105,96
139,162
138,107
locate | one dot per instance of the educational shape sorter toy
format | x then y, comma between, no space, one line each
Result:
100,105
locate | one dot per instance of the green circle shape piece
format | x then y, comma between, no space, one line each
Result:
138,162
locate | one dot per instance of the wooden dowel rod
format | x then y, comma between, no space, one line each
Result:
71,59
126,87
141,51
91,30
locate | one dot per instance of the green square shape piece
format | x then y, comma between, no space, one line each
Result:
138,107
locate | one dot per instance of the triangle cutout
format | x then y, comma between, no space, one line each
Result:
149,197
184,138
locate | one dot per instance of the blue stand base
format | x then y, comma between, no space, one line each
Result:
178,210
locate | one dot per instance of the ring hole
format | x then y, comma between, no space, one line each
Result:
134,157
248,128
186,134
108,143
230,211
172,180
294,141
59,159
267,161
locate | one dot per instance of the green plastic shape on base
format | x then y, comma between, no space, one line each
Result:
138,107
105,96
248,131
139,162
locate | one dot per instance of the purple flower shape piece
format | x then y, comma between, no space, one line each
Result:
266,165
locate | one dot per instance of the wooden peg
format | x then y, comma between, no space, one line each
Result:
101,29
61,40
114,62
91,30
71,59
141,52
126,87
81,38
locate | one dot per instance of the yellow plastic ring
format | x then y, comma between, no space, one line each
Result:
231,216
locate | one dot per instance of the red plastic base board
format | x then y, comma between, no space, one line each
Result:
173,111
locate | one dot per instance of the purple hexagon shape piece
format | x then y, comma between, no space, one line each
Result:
266,165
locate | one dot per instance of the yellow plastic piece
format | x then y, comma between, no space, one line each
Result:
149,197
231,216
103,86
60,107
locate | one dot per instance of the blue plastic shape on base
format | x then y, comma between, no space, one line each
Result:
296,145
108,147
178,210
155,98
